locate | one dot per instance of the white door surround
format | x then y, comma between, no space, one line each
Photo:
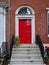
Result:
32,17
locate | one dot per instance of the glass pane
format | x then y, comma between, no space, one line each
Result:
48,31
48,23
24,11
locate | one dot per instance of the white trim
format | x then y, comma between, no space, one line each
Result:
17,26
32,17
47,8
3,25
47,21
45,45
48,35
48,11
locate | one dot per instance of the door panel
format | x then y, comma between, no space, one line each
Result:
25,31
22,31
28,31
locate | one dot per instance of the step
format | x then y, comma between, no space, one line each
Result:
33,57
26,55
27,45
25,52
25,60
26,64
14,62
17,49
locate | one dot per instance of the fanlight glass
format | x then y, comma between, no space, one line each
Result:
24,11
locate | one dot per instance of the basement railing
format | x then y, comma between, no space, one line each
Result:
3,52
4,55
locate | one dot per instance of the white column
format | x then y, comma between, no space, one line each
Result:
2,26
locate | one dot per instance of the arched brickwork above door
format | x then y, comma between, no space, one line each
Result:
26,7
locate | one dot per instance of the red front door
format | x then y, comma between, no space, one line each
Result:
25,31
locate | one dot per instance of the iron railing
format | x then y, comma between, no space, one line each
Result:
40,44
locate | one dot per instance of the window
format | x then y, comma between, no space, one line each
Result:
48,22
24,11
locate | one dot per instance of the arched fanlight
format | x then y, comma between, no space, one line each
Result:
24,11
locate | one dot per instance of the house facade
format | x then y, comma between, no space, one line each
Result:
27,18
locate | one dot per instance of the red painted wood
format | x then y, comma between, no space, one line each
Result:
28,31
25,31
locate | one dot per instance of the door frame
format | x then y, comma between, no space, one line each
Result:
32,17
